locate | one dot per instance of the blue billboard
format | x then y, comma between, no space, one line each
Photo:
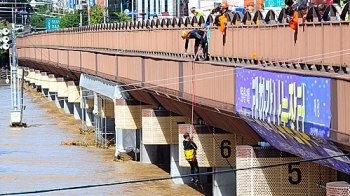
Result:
301,103
300,144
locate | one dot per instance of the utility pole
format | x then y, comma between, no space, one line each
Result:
16,117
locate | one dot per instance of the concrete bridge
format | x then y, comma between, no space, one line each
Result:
287,103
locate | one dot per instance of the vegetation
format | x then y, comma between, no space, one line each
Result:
122,17
96,15
38,18
70,20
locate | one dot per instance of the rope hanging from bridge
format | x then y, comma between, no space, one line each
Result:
194,100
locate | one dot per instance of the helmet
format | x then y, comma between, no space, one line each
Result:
224,5
184,33
193,9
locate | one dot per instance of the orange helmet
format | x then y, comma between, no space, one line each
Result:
184,33
224,5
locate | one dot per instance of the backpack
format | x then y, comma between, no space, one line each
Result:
189,154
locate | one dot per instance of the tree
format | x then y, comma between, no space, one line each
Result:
70,20
38,19
122,17
96,15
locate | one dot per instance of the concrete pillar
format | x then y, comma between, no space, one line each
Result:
295,178
31,78
127,114
224,183
86,105
38,80
52,87
148,153
340,188
62,95
45,84
19,72
175,169
127,140
74,98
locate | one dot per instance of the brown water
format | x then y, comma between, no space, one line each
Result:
33,158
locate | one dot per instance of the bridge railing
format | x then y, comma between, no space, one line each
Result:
265,34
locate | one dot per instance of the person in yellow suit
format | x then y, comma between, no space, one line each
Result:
196,12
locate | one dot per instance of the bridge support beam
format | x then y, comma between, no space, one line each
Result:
31,78
74,98
86,105
297,178
52,87
45,84
224,183
128,126
38,80
175,169
61,99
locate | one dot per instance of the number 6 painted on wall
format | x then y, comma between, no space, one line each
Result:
291,170
225,144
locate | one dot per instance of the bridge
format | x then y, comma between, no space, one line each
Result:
267,95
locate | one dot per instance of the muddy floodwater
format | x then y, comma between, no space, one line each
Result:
34,159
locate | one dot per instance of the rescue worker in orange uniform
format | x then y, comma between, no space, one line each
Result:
221,18
292,17
200,40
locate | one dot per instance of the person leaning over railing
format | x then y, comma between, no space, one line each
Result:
320,12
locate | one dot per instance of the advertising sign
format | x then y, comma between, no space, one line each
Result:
52,23
300,144
301,103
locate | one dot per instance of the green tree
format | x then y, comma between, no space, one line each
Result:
70,20
122,17
38,19
96,15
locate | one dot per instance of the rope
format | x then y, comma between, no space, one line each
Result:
194,99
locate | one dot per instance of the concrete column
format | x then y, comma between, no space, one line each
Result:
31,78
175,169
294,178
62,95
127,140
224,183
86,105
74,98
38,80
338,188
52,87
45,84
148,153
